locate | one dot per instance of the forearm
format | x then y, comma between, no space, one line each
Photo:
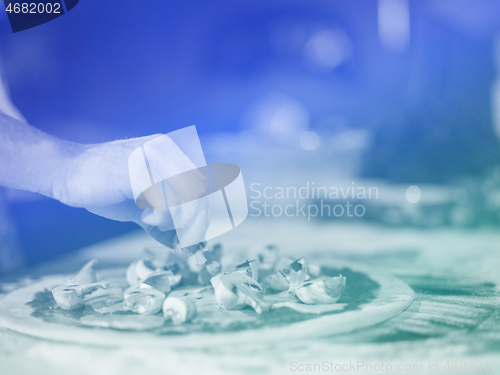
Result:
31,159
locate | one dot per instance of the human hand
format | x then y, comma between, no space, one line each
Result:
97,178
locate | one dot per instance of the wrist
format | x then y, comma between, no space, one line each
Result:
62,164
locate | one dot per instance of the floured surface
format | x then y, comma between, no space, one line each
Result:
454,316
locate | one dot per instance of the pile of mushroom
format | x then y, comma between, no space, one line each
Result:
154,277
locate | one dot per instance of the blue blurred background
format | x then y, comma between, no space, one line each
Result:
403,91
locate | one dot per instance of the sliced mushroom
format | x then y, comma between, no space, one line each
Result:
288,278
276,282
70,297
236,290
159,258
159,280
143,268
179,309
109,305
324,291
137,271
143,299
86,275
194,251
199,258
297,273
249,268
